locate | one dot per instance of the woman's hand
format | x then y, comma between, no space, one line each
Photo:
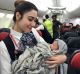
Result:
56,60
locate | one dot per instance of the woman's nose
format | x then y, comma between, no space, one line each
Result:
33,23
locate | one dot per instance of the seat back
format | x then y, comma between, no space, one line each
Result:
3,35
75,60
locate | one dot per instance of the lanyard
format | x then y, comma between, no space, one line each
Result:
13,40
17,51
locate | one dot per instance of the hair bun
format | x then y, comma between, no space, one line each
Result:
18,2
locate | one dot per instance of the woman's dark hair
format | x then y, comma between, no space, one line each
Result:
17,2
23,7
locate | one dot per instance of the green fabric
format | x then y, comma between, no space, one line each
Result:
48,26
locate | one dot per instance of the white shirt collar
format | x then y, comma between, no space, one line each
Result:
16,34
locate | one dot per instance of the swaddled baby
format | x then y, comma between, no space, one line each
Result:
31,61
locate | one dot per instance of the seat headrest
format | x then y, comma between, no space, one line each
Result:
3,35
75,61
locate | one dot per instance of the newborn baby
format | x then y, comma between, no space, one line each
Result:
31,60
58,47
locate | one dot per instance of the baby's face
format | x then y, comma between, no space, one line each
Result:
54,45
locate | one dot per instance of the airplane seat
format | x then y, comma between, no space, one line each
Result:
75,60
70,34
73,42
3,35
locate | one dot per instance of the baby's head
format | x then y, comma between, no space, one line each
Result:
54,45
59,45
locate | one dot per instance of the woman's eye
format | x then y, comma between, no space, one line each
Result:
30,19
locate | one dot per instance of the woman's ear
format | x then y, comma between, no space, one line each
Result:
18,16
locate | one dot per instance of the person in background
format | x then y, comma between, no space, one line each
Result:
39,27
48,25
56,26
47,33
71,25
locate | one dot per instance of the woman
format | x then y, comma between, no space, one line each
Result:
24,18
